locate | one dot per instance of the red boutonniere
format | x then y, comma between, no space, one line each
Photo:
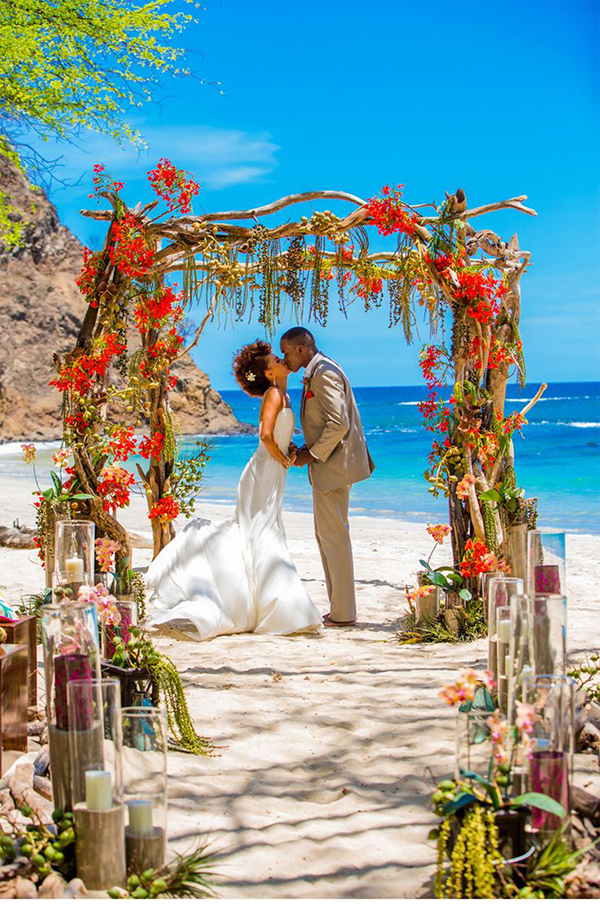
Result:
308,394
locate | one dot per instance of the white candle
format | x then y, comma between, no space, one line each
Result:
140,816
98,790
507,665
504,631
74,569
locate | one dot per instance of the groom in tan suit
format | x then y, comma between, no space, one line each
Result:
337,456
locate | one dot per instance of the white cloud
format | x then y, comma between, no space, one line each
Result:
218,158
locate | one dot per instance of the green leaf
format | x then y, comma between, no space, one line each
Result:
465,595
440,580
491,495
425,565
56,482
460,802
540,801
82,497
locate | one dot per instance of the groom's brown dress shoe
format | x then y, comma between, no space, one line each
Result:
328,622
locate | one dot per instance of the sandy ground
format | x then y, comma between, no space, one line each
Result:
327,744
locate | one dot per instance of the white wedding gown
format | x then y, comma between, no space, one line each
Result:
236,576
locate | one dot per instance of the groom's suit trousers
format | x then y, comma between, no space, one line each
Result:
332,530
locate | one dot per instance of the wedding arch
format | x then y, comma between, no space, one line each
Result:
465,281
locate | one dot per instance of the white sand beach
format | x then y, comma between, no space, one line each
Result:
328,745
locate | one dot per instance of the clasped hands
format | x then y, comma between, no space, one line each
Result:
299,456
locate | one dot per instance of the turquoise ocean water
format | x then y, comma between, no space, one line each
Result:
558,460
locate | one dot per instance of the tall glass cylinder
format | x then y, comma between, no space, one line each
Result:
499,590
552,744
71,652
145,786
546,563
74,554
117,626
503,625
548,620
474,744
520,666
95,742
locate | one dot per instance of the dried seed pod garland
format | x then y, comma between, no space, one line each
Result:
321,275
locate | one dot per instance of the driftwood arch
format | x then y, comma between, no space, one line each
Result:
233,262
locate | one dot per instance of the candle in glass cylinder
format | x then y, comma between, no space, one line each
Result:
98,790
140,817
74,569
504,631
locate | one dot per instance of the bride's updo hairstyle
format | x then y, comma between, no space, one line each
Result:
249,367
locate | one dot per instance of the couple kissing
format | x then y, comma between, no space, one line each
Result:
237,576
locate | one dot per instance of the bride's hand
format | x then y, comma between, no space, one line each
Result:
292,454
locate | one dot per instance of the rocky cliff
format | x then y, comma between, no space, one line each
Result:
40,313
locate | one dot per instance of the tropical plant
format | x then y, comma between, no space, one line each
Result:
186,876
138,652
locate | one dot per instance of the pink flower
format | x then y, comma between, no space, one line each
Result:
419,592
105,550
439,532
525,717
463,688
61,457
462,489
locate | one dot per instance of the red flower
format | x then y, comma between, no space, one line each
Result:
173,185
389,213
130,252
152,447
167,508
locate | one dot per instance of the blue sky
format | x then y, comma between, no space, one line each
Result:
499,98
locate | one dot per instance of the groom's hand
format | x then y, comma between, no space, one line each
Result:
304,457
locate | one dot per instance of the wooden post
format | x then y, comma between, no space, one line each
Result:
24,632
100,847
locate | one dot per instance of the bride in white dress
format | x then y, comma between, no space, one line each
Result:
237,576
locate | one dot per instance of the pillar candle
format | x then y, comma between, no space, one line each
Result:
504,631
74,569
140,816
98,790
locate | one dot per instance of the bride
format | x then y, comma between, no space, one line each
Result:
237,576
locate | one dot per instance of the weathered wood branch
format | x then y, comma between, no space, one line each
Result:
498,206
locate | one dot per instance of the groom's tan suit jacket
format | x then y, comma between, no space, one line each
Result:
334,434
332,428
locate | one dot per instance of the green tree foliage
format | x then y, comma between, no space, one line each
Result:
70,65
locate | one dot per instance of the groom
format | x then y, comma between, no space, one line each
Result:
337,456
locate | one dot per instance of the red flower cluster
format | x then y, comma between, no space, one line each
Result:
151,447
444,262
81,374
130,252
114,486
174,186
389,214
487,447
481,294
368,286
498,354
430,360
103,183
477,559
166,347
87,277
151,312
514,422
165,509
121,442
435,411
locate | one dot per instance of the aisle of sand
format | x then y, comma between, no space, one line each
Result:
327,745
